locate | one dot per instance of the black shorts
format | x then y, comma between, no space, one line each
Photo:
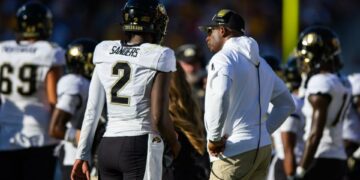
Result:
122,157
326,168
354,172
33,163
279,171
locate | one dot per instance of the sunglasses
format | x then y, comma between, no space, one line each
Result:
210,29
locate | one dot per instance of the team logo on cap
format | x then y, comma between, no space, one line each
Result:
222,12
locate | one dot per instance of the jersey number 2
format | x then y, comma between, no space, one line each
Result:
123,70
27,74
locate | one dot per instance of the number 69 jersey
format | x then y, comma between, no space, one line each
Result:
126,73
331,143
25,111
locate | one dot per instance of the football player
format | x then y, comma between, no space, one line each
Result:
325,103
133,77
351,129
288,140
72,91
30,67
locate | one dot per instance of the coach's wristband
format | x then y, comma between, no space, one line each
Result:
300,172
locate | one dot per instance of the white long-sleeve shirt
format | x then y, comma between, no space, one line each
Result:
232,102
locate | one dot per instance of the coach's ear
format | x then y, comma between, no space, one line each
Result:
223,31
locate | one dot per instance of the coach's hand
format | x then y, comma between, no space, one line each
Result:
217,147
80,170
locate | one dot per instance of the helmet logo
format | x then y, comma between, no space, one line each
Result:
189,52
75,51
311,39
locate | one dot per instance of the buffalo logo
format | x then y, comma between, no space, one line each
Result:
156,140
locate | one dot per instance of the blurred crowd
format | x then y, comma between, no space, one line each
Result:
101,20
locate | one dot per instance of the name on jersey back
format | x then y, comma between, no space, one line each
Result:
126,51
25,49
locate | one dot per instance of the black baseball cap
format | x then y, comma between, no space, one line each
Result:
189,53
227,18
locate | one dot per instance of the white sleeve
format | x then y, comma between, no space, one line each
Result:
58,57
167,61
318,84
68,103
291,124
283,106
93,111
216,104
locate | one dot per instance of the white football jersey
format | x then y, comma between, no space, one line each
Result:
351,129
126,73
331,143
72,88
295,123
25,110
76,86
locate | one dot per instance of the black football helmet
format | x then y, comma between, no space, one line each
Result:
317,46
275,65
34,20
292,75
79,55
145,16
273,62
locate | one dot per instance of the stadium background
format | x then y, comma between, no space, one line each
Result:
101,20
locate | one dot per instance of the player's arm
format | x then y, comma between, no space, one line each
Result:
58,122
94,107
289,142
320,104
51,80
159,110
288,131
65,108
350,145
